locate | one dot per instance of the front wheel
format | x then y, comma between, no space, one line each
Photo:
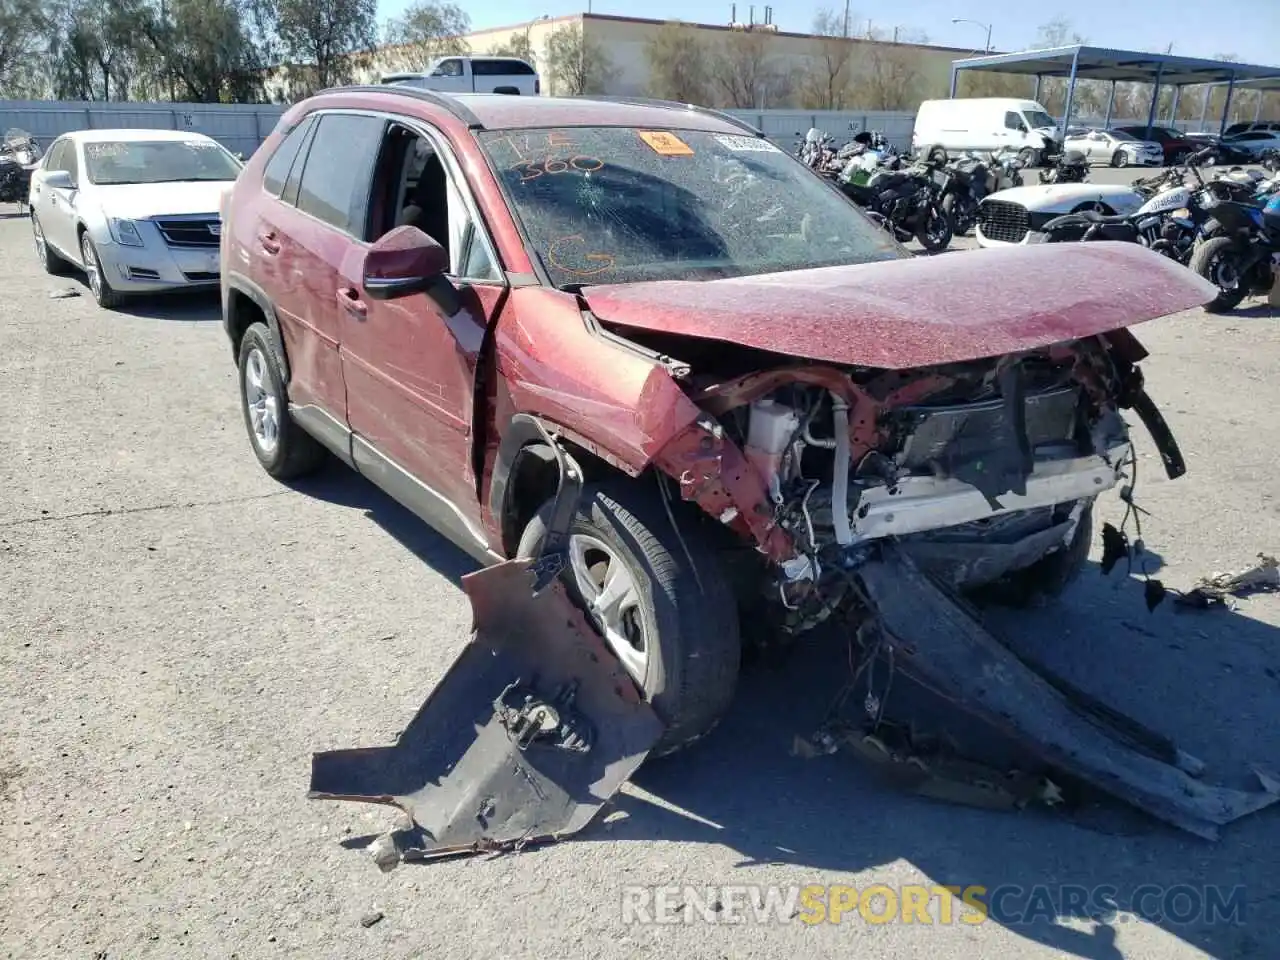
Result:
284,449
962,213
1027,157
1121,159
934,231
51,262
103,294
1215,260
659,597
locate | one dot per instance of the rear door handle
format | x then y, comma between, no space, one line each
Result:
349,297
269,243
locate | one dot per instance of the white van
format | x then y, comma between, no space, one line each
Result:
986,123
473,75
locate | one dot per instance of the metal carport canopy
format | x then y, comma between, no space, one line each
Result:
1080,62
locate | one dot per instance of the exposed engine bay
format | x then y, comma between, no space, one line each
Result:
977,470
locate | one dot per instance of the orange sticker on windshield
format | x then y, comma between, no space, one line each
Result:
665,144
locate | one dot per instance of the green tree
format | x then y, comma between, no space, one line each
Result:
206,52
517,46
678,64
426,31
23,28
96,48
326,41
576,64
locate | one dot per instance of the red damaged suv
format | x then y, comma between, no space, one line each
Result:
459,296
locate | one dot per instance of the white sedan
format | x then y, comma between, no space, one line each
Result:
136,210
1115,149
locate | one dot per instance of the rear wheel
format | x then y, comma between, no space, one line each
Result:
659,597
1216,262
284,449
51,262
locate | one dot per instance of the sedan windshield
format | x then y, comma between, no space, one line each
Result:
615,204
157,161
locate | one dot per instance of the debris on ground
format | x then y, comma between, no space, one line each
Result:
1215,591
369,919
64,293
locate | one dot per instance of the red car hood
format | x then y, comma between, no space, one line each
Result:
920,311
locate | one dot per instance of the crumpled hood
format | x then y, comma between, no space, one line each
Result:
918,311
137,201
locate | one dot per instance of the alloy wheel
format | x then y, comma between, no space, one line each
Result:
91,268
612,599
264,408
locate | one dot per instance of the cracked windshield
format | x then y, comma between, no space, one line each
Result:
616,204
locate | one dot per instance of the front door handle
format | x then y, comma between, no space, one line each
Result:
349,297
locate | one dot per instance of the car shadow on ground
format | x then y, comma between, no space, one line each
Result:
338,484
1254,311
199,306
1208,679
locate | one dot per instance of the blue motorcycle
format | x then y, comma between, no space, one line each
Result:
1238,258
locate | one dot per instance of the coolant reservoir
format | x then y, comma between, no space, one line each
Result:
769,429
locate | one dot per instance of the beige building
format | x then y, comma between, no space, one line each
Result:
735,66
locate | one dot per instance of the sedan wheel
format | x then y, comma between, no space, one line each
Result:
51,262
98,286
612,598
1121,158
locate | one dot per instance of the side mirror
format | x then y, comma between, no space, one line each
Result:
405,261
59,180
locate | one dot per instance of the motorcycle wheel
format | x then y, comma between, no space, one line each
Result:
934,231
962,216
1213,261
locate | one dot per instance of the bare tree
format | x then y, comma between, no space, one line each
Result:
678,64
742,72
889,81
325,40
517,46
825,84
426,31
576,64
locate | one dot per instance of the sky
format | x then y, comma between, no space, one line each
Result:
1249,29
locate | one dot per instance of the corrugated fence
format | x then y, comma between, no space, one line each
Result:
241,127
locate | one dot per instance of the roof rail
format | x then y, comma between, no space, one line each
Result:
705,111
434,97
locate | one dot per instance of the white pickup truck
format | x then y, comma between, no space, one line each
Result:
473,75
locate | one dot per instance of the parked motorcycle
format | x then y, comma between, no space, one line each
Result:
20,153
972,177
1240,260
1072,167
907,203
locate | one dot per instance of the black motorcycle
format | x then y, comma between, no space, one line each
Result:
967,184
1238,258
19,156
907,203
1072,167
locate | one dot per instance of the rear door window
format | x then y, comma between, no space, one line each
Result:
338,173
507,68
277,170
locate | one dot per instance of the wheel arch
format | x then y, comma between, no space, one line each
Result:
243,304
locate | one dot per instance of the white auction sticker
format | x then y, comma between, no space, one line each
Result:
746,144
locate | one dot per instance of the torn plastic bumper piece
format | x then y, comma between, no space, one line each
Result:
535,726
939,642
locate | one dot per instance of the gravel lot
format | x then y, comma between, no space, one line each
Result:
180,632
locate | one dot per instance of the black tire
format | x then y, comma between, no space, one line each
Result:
1206,262
51,262
937,154
961,216
1046,578
295,452
104,295
692,671
939,239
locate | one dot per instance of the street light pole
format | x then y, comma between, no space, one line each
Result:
976,23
